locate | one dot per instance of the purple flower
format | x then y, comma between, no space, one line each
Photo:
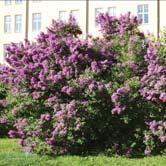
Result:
36,95
92,87
121,91
153,125
118,110
28,149
162,139
94,66
60,115
57,77
21,142
115,97
13,134
3,103
147,151
45,117
51,141
3,120
14,111
163,97
68,90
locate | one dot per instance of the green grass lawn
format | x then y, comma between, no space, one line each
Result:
11,155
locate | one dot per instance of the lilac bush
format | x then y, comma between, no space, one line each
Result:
71,95
5,121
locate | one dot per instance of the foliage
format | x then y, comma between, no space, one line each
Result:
70,95
5,122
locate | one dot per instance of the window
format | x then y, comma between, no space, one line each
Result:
112,11
36,22
97,12
8,2
63,15
18,23
4,49
143,13
18,1
75,14
7,24
36,0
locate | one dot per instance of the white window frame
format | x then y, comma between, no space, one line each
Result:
18,1
4,49
7,2
141,13
18,23
112,11
36,22
36,1
75,13
62,16
97,12
7,24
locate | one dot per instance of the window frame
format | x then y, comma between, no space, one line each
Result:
66,16
7,2
4,49
114,11
7,24
97,13
36,1
18,2
78,14
18,24
141,13
36,22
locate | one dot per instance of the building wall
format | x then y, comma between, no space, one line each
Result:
162,14
50,10
123,7
6,38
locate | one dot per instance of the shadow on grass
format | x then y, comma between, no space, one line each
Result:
11,145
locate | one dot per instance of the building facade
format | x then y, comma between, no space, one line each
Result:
22,19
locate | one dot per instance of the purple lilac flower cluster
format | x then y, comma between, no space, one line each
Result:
120,93
112,26
3,120
157,133
153,81
3,103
